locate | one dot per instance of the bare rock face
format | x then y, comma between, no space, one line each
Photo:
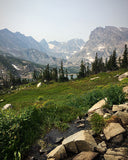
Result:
97,106
123,116
112,130
86,156
117,154
58,153
122,76
80,141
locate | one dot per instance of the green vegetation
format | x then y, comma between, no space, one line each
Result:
97,123
37,110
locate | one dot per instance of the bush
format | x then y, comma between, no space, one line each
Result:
86,100
18,132
97,123
115,95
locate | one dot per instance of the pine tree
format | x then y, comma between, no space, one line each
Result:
55,74
88,72
114,62
95,65
82,72
61,73
46,73
125,58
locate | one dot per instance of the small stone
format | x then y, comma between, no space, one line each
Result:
1,100
7,106
39,84
101,147
81,126
106,115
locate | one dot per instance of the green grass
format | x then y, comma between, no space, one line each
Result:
52,105
59,91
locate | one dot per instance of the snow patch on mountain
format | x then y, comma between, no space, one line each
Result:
101,48
15,67
51,46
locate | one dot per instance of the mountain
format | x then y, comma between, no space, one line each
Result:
65,49
25,47
103,41
17,67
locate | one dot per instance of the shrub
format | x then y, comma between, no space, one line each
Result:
115,95
86,100
18,132
97,123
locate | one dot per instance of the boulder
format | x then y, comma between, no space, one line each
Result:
101,147
120,107
122,76
39,84
117,139
117,154
113,129
125,89
97,106
80,141
86,156
58,153
7,106
123,116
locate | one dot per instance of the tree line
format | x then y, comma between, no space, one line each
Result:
61,74
99,65
48,74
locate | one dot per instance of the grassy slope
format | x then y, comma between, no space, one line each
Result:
46,107
58,92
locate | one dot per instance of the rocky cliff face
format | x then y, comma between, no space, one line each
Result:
17,67
103,41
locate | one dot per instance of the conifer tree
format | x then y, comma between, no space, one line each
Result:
82,72
114,62
125,58
95,65
46,73
55,74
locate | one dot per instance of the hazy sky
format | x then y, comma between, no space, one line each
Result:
61,20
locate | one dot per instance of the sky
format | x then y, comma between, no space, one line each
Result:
61,20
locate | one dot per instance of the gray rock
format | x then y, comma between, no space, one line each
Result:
101,147
7,106
81,126
97,106
117,139
113,129
80,141
117,154
86,156
123,116
39,84
58,153
122,76
120,107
